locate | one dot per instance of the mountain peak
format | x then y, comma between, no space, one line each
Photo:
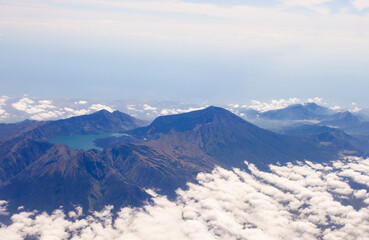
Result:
311,104
188,121
102,112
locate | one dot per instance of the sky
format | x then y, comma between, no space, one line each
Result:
221,51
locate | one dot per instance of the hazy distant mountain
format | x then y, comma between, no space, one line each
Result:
98,122
342,120
348,122
306,111
324,135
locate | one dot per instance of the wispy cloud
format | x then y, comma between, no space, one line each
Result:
154,20
360,4
98,107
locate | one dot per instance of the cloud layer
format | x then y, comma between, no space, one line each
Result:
301,201
18,109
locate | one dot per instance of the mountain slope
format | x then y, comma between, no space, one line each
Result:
162,156
61,176
37,174
216,136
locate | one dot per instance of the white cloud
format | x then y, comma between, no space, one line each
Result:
29,106
314,5
148,107
360,4
73,112
189,109
47,115
46,110
42,110
22,104
295,201
316,100
3,207
132,107
272,105
246,26
45,102
82,102
3,113
98,107
336,108
168,111
279,103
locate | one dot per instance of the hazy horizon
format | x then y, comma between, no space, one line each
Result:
186,51
15,109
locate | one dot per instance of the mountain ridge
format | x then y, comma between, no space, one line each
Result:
164,155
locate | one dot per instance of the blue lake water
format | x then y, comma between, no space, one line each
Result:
83,142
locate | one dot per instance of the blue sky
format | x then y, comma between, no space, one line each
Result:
221,51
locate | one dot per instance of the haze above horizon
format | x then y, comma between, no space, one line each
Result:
188,51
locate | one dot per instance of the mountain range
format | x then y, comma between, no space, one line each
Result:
306,111
163,155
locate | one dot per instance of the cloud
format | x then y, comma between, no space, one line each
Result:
40,110
150,108
239,25
293,201
3,207
29,106
167,111
273,104
3,113
314,5
98,107
73,112
277,103
82,102
336,108
316,100
45,115
360,4
46,109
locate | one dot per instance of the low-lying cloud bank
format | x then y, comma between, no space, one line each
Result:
301,201
19,109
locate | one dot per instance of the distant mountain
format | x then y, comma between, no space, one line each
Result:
342,120
306,111
334,137
349,122
98,122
